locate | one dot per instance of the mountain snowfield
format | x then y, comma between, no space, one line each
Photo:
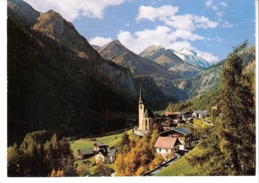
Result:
189,56
192,57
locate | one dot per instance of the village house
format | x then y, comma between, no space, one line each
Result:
99,157
100,146
167,146
85,153
200,114
187,115
173,115
112,155
100,150
166,123
183,135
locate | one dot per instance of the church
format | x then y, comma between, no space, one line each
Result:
145,117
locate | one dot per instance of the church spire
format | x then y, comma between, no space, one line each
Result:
140,94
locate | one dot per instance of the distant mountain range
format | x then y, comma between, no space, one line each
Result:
156,79
170,61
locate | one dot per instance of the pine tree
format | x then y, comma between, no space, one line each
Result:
237,137
230,147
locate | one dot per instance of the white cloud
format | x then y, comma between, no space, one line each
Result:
217,39
179,45
138,41
223,4
100,41
220,15
227,24
207,56
164,36
204,22
187,35
152,13
184,22
214,7
190,22
71,10
167,15
208,3
175,31
220,9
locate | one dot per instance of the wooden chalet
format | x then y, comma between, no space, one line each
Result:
167,146
182,134
85,153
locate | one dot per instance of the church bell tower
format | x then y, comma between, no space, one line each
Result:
140,109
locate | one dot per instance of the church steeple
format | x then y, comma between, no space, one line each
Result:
140,94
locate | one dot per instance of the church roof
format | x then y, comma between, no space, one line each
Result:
140,94
148,114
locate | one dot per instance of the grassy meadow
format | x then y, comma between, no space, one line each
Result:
181,167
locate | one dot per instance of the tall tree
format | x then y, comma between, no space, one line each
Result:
237,137
230,148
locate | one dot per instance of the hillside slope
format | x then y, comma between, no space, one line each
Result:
157,81
56,80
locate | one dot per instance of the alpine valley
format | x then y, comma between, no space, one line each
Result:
58,81
76,109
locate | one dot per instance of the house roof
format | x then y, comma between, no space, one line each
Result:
172,113
188,112
100,144
86,151
202,112
112,152
148,114
99,153
183,131
165,142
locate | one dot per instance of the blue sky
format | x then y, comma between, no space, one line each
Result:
210,27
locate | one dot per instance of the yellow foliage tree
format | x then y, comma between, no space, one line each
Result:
119,165
140,171
53,173
59,173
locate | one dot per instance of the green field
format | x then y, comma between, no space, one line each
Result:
181,167
110,140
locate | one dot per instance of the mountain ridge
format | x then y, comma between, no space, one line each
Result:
170,61
51,86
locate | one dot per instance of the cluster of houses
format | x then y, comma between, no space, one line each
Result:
174,141
100,153
168,144
174,119
175,138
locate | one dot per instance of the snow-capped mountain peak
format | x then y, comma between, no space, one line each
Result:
192,57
